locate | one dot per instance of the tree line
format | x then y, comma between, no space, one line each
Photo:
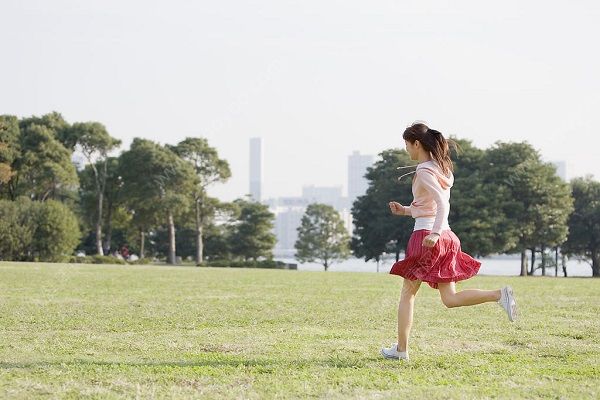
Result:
505,200
152,197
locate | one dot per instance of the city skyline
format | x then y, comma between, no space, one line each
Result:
289,211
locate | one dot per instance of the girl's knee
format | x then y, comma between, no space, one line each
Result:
410,287
449,301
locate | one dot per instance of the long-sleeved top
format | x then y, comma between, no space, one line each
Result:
431,203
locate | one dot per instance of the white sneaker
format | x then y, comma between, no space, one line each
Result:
507,301
393,353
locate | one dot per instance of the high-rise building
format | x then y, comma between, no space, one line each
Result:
357,168
256,168
330,195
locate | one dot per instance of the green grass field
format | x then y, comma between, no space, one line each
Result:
88,331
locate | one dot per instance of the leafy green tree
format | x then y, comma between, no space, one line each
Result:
95,144
33,161
9,149
322,236
252,232
376,230
476,213
584,223
536,202
217,243
157,184
112,198
369,239
209,170
44,168
55,124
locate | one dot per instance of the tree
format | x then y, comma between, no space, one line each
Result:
95,143
209,169
476,214
157,184
584,223
375,228
9,148
252,231
112,198
536,202
56,125
218,242
33,161
369,239
44,167
322,236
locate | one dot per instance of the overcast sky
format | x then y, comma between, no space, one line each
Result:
315,79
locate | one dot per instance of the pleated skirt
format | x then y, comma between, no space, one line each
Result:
445,262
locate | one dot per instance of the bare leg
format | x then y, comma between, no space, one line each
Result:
405,311
468,297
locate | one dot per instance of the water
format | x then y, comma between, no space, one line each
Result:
498,265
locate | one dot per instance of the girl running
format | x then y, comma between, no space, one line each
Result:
433,254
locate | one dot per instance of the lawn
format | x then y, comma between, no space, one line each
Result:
89,331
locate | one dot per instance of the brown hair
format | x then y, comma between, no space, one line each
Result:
433,142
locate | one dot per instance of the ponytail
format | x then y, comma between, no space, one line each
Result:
433,142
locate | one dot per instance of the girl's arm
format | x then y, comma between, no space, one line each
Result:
431,184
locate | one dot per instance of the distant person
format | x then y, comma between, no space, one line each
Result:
433,253
125,252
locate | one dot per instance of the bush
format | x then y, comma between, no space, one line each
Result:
16,230
80,260
142,261
56,231
32,231
247,264
217,264
96,259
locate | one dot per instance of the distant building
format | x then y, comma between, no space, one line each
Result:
330,195
256,169
290,210
357,168
288,215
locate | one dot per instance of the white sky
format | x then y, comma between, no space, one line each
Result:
315,79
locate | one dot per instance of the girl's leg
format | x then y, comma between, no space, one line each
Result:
468,297
405,312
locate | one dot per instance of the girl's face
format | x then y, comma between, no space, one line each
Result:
412,149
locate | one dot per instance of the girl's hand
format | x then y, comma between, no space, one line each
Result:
396,208
431,239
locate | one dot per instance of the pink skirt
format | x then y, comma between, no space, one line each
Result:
444,262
